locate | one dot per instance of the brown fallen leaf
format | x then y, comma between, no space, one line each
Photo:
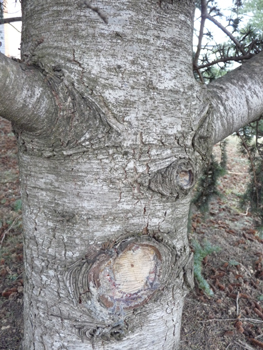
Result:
259,313
218,275
258,306
239,326
219,285
232,232
241,241
233,295
256,342
6,293
3,272
229,333
230,288
250,231
244,296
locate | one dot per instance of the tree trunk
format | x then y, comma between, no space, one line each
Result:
113,132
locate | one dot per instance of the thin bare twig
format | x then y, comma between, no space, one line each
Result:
246,213
10,227
244,345
201,32
231,172
205,15
232,319
226,59
237,304
14,27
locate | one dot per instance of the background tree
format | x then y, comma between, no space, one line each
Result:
113,131
252,9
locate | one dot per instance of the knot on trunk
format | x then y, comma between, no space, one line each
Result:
175,180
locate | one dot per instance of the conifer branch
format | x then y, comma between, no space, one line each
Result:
10,20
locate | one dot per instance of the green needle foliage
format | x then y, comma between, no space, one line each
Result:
207,185
251,143
18,205
253,10
200,252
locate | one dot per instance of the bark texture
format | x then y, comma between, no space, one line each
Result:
237,98
106,194
25,98
113,134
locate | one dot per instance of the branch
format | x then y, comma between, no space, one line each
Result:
237,98
237,43
226,59
25,98
9,20
201,33
205,15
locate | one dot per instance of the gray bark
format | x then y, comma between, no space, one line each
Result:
237,98
113,132
25,98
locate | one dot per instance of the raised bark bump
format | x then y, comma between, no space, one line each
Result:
175,180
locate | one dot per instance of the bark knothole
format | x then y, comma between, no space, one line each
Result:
176,180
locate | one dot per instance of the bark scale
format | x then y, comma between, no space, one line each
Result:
107,164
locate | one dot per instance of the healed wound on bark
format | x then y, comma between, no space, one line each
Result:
130,279
113,281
